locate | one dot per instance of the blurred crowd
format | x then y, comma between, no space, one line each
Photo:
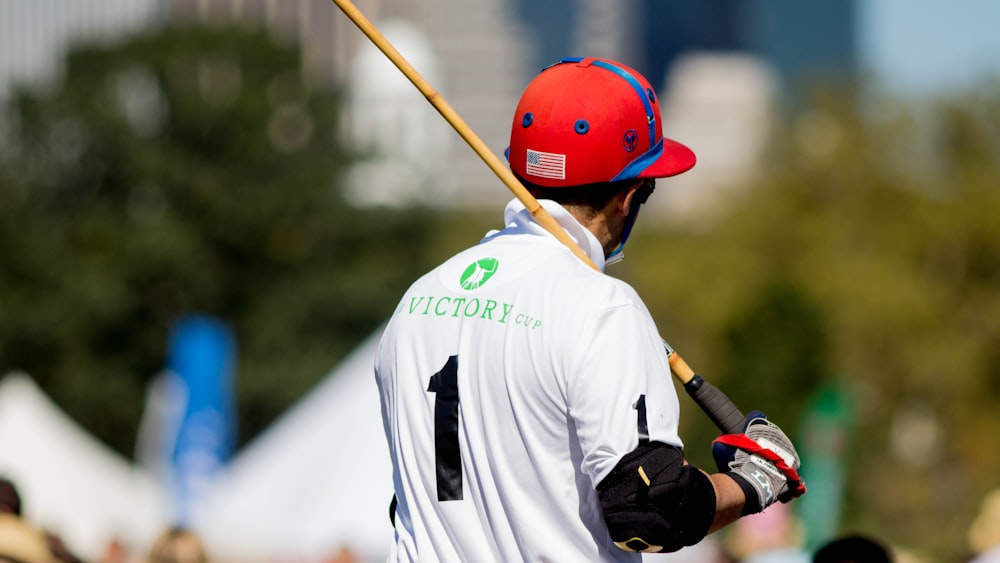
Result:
775,536
769,538
22,542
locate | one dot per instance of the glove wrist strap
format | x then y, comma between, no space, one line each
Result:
752,503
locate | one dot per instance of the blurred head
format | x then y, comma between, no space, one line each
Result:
178,545
853,549
585,121
59,550
984,534
21,542
10,500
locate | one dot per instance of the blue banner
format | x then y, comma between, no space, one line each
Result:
201,363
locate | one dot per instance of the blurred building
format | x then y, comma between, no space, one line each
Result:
802,42
730,70
35,33
478,48
726,68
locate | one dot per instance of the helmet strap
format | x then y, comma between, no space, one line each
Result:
641,195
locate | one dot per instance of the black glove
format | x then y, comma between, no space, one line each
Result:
763,461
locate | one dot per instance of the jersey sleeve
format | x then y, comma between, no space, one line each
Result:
619,387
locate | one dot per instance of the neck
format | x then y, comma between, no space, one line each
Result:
603,223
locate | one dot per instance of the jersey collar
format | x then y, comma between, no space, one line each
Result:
517,216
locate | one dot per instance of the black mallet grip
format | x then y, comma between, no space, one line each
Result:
723,412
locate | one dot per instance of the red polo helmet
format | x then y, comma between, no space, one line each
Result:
587,120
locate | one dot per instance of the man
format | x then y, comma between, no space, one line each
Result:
10,499
19,542
854,548
10,504
526,397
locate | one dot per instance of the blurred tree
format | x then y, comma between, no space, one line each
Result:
867,255
189,170
776,343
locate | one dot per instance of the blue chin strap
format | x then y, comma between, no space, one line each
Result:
616,254
638,199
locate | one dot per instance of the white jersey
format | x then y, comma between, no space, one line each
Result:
513,378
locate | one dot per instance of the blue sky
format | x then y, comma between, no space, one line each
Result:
926,47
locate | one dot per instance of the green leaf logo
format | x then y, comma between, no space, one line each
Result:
478,273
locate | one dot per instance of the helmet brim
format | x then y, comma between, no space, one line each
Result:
675,159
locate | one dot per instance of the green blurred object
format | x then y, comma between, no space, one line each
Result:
826,432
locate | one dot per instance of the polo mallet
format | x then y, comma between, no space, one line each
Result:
719,408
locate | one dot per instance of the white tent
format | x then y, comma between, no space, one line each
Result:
317,480
69,482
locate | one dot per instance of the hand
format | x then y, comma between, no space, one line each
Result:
765,461
724,454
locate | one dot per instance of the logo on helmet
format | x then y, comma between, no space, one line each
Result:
630,140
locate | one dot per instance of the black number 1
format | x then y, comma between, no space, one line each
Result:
448,456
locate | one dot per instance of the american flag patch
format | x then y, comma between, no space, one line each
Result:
546,165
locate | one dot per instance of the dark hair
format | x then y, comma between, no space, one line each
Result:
852,549
590,197
10,500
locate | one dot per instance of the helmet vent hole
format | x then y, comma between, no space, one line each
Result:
527,119
652,96
581,126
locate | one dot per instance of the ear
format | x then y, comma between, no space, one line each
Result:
625,199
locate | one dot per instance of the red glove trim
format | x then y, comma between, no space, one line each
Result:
743,442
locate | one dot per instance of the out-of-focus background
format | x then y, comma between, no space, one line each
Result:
209,207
